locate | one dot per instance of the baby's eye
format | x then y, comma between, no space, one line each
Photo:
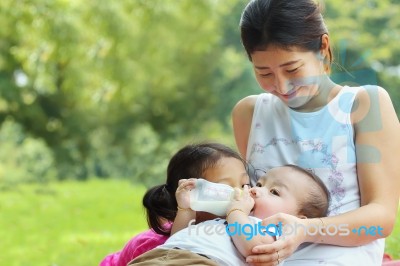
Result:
274,192
248,184
258,185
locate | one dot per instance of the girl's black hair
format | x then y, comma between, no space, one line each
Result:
283,23
189,162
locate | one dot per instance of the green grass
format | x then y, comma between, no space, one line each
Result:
72,223
393,241
78,223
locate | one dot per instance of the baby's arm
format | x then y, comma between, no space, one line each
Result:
238,213
184,214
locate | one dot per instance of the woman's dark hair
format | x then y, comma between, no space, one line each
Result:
189,162
317,200
282,23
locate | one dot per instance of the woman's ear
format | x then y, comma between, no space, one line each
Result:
326,52
325,45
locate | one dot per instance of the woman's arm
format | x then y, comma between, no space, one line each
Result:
242,115
377,140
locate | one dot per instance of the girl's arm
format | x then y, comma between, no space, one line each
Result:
184,214
245,238
245,242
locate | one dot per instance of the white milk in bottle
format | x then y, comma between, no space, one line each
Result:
210,197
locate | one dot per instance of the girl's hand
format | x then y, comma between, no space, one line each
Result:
293,235
242,200
182,193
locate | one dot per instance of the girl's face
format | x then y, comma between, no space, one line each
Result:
292,75
280,190
229,171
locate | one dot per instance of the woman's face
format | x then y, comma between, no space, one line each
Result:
292,75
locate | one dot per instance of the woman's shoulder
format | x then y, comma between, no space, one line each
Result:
367,92
248,101
245,106
371,91
366,96
373,105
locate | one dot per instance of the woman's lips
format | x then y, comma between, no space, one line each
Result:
289,95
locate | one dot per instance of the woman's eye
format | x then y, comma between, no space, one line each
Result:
293,70
274,192
265,75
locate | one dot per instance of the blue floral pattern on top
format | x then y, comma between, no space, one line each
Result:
335,177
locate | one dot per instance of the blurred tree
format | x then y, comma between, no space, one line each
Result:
70,68
115,87
22,158
366,34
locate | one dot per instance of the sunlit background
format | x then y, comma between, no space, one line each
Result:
96,95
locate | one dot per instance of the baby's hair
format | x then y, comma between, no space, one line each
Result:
317,200
189,162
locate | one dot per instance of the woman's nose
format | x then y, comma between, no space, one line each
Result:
282,85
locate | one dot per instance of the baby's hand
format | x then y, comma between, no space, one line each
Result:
182,193
242,200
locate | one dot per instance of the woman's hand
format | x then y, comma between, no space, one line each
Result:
293,234
182,193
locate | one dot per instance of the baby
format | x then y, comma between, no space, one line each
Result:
287,189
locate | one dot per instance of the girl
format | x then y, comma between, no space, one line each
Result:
216,162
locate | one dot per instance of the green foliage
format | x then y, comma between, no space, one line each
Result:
76,71
70,223
393,85
393,241
113,88
23,159
368,26
366,37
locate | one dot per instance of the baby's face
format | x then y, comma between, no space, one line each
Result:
229,171
280,190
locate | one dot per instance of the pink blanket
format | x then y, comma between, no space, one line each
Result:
136,246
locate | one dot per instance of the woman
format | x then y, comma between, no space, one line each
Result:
349,136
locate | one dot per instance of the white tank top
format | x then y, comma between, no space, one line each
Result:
320,141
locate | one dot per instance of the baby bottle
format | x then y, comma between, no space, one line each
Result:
210,197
